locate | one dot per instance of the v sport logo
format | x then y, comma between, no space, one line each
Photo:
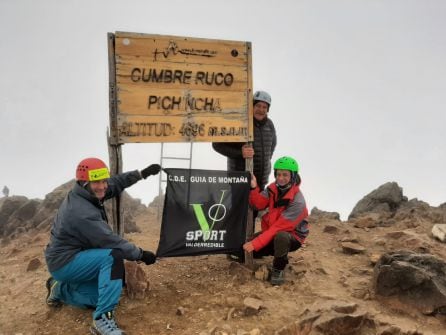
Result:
216,213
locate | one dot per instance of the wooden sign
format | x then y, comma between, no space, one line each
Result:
181,89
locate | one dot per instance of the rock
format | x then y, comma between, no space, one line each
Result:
33,264
415,279
369,220
9,206
230,314
318,215
232,300
353,239
345,324
299,267
181,311
386,198
352,248
379,241
252,305
330,229
374,258
18,214
439,232
262,273
240,272
396,234
331,317
300,327
136,281
344,307
415,210
25,213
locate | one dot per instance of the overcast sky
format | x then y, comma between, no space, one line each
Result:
358,89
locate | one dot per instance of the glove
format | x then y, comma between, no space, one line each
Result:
150,170
148,257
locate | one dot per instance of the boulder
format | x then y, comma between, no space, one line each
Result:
18,214
439,232
416,210
414,279
9,206
49,206
331,318
386,198
318,215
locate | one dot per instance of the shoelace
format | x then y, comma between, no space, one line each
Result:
109,321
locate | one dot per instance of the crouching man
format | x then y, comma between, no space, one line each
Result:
284,226
84,256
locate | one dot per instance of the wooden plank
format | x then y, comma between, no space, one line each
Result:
136,129
158,102
141,72
202,82
179,49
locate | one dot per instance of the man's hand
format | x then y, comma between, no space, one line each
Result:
253,181
150,170
248,247
247,151
148,257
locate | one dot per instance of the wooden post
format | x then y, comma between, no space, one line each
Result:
114,148
249,259
249,163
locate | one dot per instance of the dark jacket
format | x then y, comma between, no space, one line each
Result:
287,213
265,141
81,223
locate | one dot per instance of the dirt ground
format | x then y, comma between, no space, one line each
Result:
209,295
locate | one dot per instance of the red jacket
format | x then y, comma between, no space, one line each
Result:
285,214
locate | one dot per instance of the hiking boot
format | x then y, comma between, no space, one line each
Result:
106,325
51,299
277,277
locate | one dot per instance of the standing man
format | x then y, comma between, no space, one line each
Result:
84,256
261,150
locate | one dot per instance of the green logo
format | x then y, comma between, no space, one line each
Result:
214,213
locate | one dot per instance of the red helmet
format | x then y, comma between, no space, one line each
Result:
92,169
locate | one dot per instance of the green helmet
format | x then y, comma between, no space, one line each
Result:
286,163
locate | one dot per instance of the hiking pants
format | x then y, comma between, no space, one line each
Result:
94,278
279,247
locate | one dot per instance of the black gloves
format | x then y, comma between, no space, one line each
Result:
148,257
150,170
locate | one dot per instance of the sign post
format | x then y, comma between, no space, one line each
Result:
177,89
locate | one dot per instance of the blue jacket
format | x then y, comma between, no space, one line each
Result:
81,223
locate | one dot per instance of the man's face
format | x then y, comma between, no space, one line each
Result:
283,177
98,188
260,110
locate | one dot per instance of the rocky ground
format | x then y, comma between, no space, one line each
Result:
330,279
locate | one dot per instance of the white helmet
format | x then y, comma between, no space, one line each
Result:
262,96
